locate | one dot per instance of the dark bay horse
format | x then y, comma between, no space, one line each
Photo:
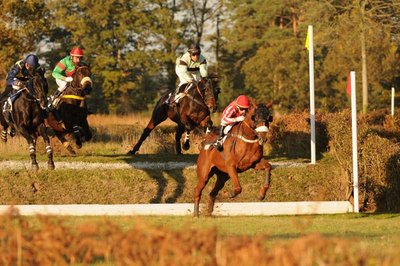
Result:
27,117
193,109
243,149
73,111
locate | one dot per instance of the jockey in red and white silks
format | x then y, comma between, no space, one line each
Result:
233,113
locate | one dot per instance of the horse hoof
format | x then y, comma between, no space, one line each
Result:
51,166
131,152
71,150
263,192
185,146
35,167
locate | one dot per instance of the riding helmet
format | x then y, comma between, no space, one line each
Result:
32,60
194,49
76,52
243,102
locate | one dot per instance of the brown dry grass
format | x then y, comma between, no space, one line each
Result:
52,243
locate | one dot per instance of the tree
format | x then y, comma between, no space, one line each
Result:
23,25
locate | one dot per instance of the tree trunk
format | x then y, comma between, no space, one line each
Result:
364,63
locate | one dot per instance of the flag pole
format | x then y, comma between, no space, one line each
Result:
354,139
310,47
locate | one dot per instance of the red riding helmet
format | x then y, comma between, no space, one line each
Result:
76,52
243,102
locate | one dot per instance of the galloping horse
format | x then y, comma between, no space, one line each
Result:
193,109
243,149
27,117
73,111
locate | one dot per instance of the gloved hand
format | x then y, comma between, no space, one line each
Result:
239,118
18,83
69,79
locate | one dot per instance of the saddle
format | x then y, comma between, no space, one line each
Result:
173,98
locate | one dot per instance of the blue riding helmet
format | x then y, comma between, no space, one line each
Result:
32,60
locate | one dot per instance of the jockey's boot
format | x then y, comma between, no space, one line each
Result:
218,143
52,100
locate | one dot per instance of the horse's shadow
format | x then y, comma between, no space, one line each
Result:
162,182
173,168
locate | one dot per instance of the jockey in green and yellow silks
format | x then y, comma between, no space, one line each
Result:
64,70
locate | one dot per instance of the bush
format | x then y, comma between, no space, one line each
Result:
290,135
379,184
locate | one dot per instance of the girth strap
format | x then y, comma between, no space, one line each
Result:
71,96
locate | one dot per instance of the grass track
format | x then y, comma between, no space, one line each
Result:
378,233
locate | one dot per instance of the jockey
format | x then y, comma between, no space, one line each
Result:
191,67
233,113
64,70
20,72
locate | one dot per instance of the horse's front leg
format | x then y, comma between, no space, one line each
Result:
266,166
32,147
237,188
49,149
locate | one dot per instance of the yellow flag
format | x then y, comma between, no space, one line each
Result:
307,45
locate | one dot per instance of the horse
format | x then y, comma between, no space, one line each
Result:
193,109
72,111
242,150
27,117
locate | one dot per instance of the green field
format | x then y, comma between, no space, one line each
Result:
366,237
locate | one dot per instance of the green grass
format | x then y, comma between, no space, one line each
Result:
380,234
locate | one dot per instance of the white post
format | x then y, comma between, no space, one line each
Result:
354,139
393,101
312,105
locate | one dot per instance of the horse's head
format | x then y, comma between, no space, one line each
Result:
260,116
82,78
38,89
211,91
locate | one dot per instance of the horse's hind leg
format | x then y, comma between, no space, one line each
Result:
49,149
219,184
186,143
157,117
204,174
179,131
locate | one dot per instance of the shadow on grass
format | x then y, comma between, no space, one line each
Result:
159,174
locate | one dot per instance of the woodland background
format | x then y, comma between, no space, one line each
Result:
256,47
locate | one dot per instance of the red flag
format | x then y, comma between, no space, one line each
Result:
348,88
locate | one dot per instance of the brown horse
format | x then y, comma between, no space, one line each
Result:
27,117
193,109
243,149
73,111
